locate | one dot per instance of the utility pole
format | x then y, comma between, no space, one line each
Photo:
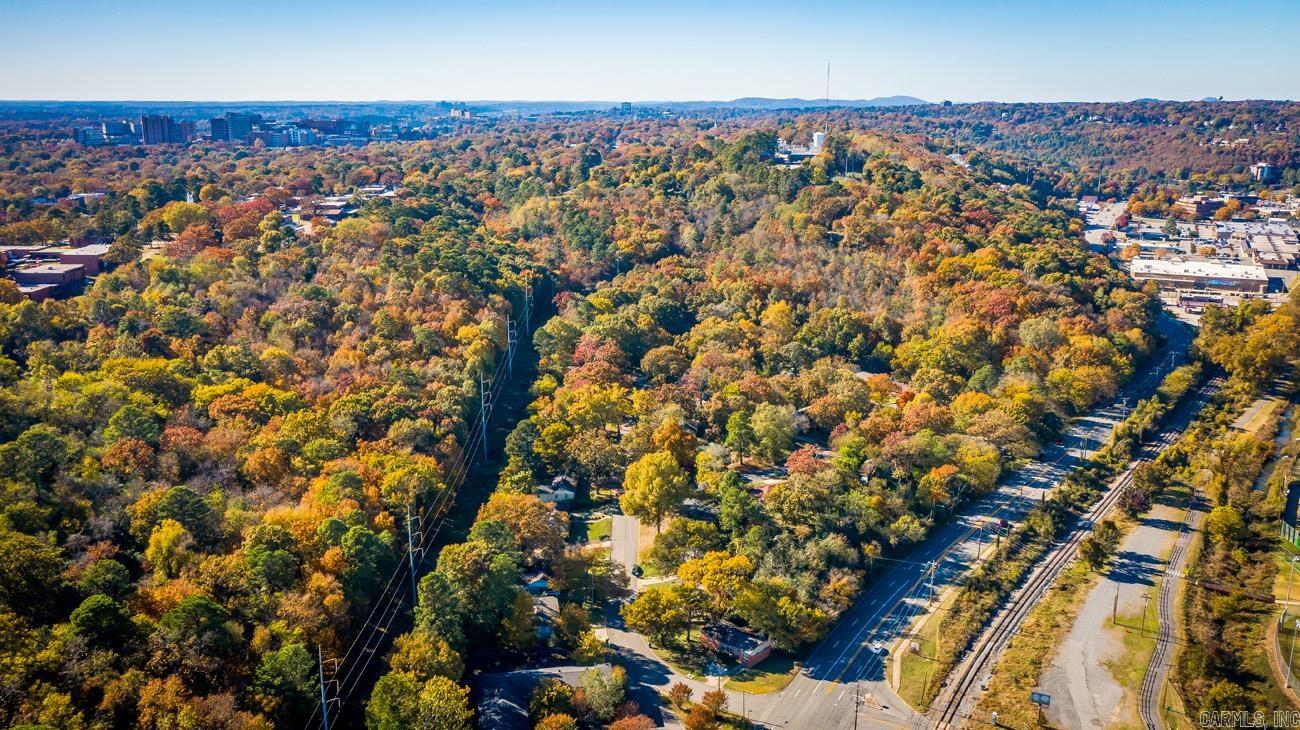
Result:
1146,601
512,336
410,553
857,708
979,549
324,700
484,402
528,306
1114,608
933,565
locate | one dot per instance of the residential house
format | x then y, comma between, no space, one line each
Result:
503,696
747,647
560,492
537,583
546,611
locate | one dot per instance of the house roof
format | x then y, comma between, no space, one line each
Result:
731,635
547,607
503,696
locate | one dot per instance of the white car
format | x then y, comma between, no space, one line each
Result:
879,649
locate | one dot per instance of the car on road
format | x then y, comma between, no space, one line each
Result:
636,571
879,649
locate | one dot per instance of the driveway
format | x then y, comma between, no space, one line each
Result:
624,538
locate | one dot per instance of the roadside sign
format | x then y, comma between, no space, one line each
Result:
1042,699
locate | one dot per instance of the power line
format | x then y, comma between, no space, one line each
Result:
387,606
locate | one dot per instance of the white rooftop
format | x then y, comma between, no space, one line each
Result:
1214,269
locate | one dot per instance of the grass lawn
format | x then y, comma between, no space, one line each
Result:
1283,560
1129,668
687,658
649,570
918,667
1261,421
1287,630
728,719
583,531
770,675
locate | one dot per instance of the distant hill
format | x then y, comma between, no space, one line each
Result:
758,102
384,108
745,103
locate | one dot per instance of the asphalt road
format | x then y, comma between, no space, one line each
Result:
625,534
970,676
822,695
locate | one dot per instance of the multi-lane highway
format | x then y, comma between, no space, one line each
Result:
953,704
843,665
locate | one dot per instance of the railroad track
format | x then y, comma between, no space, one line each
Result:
1005,625
1158,665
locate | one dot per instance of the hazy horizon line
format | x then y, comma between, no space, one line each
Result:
821,101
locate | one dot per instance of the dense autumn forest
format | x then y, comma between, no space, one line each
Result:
206,459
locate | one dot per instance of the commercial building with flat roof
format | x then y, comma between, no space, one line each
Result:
50,274
91,257
1200,275
37,292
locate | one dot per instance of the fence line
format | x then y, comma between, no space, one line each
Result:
1290,534
1283,658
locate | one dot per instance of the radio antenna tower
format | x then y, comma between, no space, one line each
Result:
826,128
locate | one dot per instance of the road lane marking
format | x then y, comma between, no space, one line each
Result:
1003,498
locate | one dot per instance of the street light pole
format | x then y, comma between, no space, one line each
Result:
1289,577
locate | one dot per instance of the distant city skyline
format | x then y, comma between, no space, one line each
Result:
1007,50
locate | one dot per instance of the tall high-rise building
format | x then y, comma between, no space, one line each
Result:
234,126
119,128
220,129
159,129
241,124
156,129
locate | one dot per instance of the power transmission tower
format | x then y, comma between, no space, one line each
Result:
410,553
324,698
528,306
512,338
484,403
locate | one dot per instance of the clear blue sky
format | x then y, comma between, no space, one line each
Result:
1006,50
